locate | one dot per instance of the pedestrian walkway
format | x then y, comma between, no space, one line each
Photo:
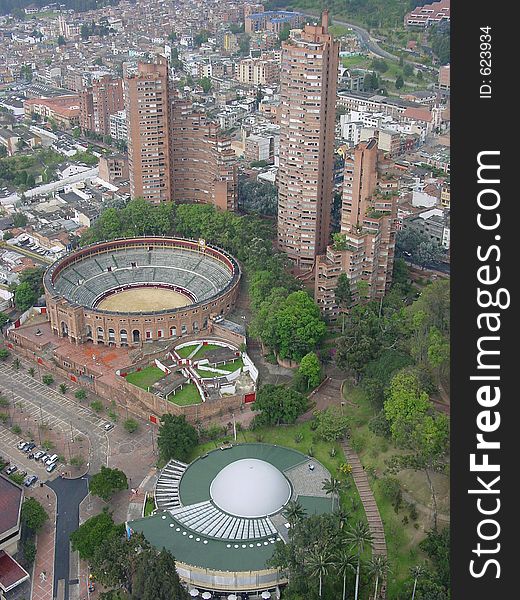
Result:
43,574
367,498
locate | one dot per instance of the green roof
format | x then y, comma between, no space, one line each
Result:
196,481
215,554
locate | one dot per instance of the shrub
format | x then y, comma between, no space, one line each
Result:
4,417
63,388
113,416
390,488
131,425
77,461
47,445
16,429
379,425
29,551
96,405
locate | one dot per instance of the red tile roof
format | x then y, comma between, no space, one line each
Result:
11,496
11,573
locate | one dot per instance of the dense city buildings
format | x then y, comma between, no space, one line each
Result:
99,101
147,105
364,249
429,14
307,115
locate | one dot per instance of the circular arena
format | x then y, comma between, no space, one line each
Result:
222,515
128,291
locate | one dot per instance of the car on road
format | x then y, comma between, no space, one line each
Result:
51,467
29,480
11,469
39,454
108,426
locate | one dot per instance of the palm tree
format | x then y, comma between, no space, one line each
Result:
344,563
319,561
359,537
378,568
294,512
16,364
417,571
342,515
31,372
332,486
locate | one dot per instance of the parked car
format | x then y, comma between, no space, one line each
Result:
51,467
51,459
11,469
22,445
29,447
108,426
29,480
44,457
39,454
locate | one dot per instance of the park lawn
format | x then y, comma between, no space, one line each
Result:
146,377
402,538
231,366
285,435
187,396
202,351
186,351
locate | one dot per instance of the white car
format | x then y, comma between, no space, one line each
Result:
108,426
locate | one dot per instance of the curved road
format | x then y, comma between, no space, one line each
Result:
364,36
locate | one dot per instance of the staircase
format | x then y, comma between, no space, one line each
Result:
167,488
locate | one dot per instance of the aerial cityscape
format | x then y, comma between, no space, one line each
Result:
224,300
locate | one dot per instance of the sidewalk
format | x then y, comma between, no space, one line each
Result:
43,573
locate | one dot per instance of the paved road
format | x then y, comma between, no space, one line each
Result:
366,39
70,492
56,410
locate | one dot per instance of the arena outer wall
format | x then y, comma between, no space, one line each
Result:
77,320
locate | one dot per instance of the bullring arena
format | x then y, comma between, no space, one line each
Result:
144,289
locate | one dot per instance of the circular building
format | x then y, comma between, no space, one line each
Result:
128,291
222,515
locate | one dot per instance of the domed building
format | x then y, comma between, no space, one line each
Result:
221,515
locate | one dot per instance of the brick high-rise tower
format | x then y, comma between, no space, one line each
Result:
98,101
147,104
307,117
364,250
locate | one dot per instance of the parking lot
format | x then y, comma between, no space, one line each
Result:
10,452
37,404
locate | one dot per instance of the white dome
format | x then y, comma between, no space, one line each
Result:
250,488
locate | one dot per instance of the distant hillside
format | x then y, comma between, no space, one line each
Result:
17,6
373,13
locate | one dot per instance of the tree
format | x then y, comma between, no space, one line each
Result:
345,563
63,388
48,379
294,512
4,354
131,425
310,369
16,364
437,547
399,83
80,394
319,561
31,371
19,219
407,70
33,515
278,405
107,482
24,297
416,572
358,537
378,568
156,578
284,33
177,438
61,41
93,533
343,295
331,424
205,84
332,488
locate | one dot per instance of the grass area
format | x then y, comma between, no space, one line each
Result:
200,353
301,437
206,374
146,377
231,366
149,506
340,30
188,395
402,534
186,351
